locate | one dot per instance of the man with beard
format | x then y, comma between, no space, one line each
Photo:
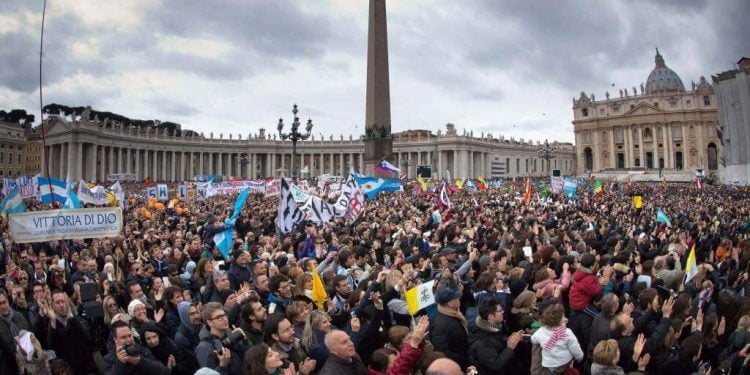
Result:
278,333
21,306
187,336
252,316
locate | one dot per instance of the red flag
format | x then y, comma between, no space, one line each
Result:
527,193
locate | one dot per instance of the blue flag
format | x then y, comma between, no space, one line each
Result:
12,203
661,217
570,185
371,186
223,239
72,200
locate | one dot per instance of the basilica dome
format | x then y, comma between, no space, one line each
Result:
663,79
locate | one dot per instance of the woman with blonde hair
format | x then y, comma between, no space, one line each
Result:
317,325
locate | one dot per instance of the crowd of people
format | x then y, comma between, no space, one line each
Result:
588,284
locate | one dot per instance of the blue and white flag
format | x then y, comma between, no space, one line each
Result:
162,192
469,185
8,185
661,217
223,241
12,203
72,201
52,190
371,186
570,185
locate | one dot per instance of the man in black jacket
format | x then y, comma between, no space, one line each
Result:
239,272
67,335
449,333
489,349
120,362
622,329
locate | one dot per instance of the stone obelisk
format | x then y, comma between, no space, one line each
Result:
378,140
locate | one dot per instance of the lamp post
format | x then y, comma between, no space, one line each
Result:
294,135
546,152
407,163
244,160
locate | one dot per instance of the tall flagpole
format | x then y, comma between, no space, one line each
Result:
41,101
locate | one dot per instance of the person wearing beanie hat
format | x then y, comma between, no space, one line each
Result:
450,328
239,271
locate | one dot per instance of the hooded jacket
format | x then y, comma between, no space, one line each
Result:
585,287
187,333
488,348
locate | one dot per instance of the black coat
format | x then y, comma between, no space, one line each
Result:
335,366
71,343
449,336
489,352
8,343
147,365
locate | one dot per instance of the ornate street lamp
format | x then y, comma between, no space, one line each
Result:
546,152
244,160
295,136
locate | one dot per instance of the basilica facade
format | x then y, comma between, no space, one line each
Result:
658,125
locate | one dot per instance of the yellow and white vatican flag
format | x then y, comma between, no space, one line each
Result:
419,297
691,269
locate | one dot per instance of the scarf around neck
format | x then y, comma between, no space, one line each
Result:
558,333
11,323
447,311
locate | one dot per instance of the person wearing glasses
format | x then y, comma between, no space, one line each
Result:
220,347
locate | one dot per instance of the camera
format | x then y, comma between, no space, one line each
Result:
133,350
232,339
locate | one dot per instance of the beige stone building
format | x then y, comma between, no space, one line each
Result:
661,126
12,147
92,149
32,156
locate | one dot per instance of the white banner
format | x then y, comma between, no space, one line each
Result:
122,177
28,186
557,185
40,226
182,191
273,188
151,192
8,185
96,195
319,211
351,201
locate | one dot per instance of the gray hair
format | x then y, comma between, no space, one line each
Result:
217,275
329,336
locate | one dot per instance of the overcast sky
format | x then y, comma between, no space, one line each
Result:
505,67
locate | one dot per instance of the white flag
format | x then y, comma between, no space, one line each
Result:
289,215
182,191
319,211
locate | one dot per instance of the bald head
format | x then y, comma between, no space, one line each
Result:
444,366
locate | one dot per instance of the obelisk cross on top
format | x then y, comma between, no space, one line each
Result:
378,140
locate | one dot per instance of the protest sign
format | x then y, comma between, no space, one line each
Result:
40,226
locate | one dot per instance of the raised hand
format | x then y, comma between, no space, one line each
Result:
666,308
418,335
640,343
306,367
356,325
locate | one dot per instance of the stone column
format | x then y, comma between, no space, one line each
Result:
146,171
110,160
222,170
439,174
330,164
163,173
702,147
667,146
362,162
91,162
612,152
156,166
641,146
137,153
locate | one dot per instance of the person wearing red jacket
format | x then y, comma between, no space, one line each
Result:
586,287
387,362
